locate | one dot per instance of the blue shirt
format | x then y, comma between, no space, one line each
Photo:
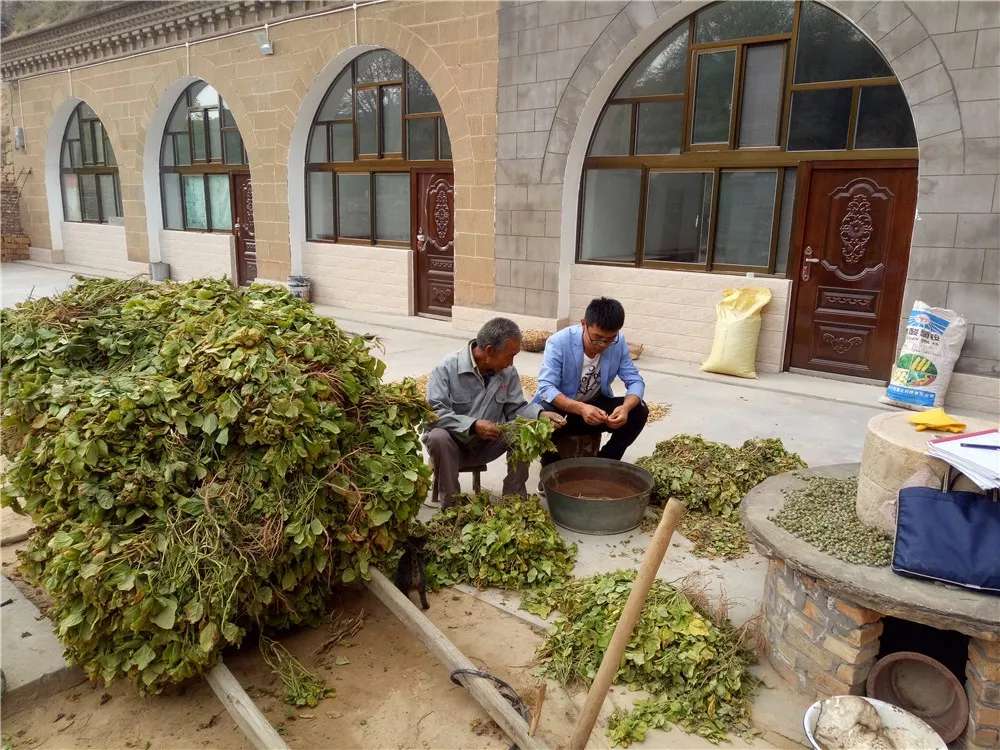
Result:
562,366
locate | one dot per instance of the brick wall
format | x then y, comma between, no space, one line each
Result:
195,255
982,685
98,246
363,278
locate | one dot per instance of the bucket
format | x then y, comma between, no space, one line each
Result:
596,495
921,736
300,287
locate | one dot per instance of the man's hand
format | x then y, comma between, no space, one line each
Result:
618,417
555,418
592,415
486,430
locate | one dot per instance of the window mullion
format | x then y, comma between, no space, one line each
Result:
640,234
779,184
713,219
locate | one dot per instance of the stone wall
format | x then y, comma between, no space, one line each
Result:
363,278
982,685
98,246
193,255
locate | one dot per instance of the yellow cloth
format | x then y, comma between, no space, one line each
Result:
936,419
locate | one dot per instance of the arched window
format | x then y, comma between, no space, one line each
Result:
202,149
90,188
693,162
377,124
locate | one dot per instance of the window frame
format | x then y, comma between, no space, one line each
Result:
95,168
729,155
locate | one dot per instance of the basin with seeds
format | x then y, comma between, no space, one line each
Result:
596,495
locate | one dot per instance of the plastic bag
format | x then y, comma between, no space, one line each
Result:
933,343
737,328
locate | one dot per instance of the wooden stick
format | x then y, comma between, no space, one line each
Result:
244,711
626,623
483,691
537,713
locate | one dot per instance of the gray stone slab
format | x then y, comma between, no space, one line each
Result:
581,33
978,230
943,154
982,156
934,230
937,17
880,589
944,264
981,119
987,48
33,663
956,49
923,56
518,17
978,14
979,303
977,84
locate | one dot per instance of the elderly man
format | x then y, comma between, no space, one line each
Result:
473,392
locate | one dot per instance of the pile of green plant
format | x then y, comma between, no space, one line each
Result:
823,513
199,461
508,543
711,479
696,670
528,439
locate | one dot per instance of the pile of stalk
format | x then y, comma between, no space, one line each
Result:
200,463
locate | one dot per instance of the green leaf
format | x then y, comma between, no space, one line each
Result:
223,437
143,656
166,616
379,517
208,636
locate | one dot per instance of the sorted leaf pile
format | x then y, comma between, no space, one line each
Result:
823,514
711,479
528,439
509,543
695,669
198,461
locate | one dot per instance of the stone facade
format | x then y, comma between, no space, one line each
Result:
982,685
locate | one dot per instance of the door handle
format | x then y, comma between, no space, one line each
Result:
806,260
421,240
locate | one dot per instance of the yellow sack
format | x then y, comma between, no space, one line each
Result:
737,327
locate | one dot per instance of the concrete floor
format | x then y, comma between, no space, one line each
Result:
21,281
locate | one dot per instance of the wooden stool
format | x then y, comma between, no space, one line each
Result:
477,485
578,446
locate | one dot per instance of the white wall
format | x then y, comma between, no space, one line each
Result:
673,313
196,255
360,277
98,246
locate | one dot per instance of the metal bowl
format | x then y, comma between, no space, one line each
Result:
596,495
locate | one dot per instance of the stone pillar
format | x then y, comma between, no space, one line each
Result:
818,643
982,685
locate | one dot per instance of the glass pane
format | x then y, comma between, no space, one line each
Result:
228,121
86,111
444,142
194,201
317,145
98,143
419,97
392,122
214,135
73,128
661,70
831,48
367,122
610,215
71,198
218,194
733,20
678,207
76,154
88,144
884,119
88,197
178,118
661,127
713,97
378,66
343,142
420,138
192,92
206,97
819,120
64,159
109,202
763,88
198,146
337,104
785,224
321,206
746,213
392,207
354,205
182,148
234,147
611,138
173,218
109,153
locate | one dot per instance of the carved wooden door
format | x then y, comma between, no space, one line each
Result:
246,242
434,242
853,245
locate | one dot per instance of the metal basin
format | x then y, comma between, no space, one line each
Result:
596,495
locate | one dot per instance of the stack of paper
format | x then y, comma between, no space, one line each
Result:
981,465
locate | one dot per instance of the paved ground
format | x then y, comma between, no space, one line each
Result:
21,281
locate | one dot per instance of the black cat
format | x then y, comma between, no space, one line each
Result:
410,573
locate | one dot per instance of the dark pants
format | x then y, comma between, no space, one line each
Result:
620,439
449,456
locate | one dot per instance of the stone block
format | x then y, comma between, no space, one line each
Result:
977,83
979,303
518,17
852,674
509,299
978,14
814,613
553,224
923,56
862,636
541,302
559,64
542,39
984,715
903,38
519,69
952,193
926,85
515,122
501,276
943,154
501,222
945,264
827,685
543,117
560,12
936,116
935,230
512,248
518,171
981,119
507,146
531,145
981,737
554,168
978,230
506,100
803,624
883,18
512,197
543,249
987,48
786,671
956,49
545,197
847,652
526,274
812,658
536,95
528,223
550,278
982,156
508,45
581,33
981,690
937,17
991,267
856,614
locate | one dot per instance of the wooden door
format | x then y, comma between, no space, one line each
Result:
434,242
246,243
853,245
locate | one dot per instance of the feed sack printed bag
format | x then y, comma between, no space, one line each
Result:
737,328
934,338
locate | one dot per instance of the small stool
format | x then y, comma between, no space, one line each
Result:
477,485
578,446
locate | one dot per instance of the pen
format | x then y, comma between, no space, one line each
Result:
980,445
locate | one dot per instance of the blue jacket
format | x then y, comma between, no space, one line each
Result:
562,366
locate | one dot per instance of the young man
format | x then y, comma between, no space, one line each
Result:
473,392
579,365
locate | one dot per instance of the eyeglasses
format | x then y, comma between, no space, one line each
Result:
601,341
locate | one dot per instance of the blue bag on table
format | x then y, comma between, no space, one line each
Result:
948,536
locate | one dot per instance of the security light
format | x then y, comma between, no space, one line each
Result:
264,42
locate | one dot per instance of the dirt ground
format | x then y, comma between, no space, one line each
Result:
391,694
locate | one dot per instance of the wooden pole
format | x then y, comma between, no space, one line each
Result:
248,718
536,715
483,691
626,623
